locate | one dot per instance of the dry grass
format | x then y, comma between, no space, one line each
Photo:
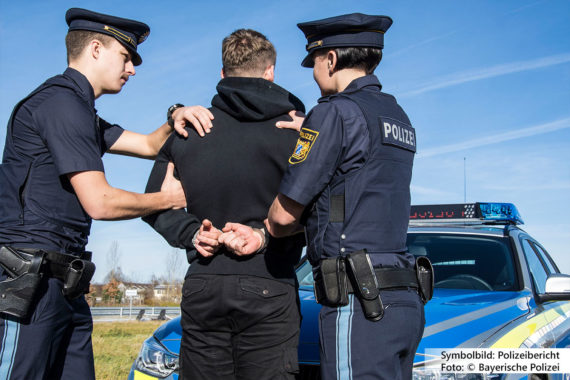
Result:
117,344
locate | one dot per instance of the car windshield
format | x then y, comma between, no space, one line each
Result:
459,261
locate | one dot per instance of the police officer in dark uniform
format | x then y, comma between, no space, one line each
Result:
349,178
52,185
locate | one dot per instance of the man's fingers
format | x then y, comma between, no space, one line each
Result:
214,234
229,227
207,240
202,251
226,237
207,224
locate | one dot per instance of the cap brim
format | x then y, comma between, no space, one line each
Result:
308,61
135,57
137,60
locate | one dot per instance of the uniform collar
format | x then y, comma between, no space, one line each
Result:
358,83
82,84
355,85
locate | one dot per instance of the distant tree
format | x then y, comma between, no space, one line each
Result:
174,268
148,295
90,297
111,292
114,264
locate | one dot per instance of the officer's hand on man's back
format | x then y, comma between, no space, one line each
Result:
297,121
173,188
200,118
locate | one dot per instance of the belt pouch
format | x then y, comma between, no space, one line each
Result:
17,293
365,285
424,274
331,288
77,278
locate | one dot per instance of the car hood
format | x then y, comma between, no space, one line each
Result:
466,318
169,335
454,318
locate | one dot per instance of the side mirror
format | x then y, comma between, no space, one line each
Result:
557,288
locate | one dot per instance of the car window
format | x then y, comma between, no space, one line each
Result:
545,258
459,261
535,266
305,274
467,261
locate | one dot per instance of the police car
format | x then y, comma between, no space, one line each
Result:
495,287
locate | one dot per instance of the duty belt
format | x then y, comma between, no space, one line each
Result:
339,276
25,268
388,278
55,264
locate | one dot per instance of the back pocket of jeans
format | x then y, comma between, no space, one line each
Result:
264,288
193,286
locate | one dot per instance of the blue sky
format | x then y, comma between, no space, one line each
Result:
485,84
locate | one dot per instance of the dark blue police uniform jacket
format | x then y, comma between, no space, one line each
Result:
352,168
54,131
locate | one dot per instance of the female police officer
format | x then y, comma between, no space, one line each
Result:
351,172
349,176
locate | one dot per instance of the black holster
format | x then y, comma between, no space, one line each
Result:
331,287
424,274
365,285
77,278
17,293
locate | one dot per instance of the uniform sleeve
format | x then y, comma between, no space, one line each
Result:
68,127
110,133
177,227
315,158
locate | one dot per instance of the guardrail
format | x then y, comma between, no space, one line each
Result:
125,311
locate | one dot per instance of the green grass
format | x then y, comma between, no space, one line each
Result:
117,344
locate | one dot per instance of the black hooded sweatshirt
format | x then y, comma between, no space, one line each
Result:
232,175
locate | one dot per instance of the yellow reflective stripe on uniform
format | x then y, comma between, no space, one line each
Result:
143,376
539,324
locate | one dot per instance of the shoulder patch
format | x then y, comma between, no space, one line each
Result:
397,133
307,138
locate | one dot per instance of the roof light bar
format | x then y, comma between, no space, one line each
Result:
480,212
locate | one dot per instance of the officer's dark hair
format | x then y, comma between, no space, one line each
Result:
364,58
77,40
246,52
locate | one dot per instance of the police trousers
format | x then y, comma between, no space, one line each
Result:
353,347
53,343
238,327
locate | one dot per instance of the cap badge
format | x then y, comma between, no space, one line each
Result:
121,35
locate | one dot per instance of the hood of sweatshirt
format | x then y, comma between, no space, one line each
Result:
254,99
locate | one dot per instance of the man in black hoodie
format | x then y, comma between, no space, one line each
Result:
240,315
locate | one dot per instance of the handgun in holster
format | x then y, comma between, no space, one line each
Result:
331,288
18,291
425,276
365,285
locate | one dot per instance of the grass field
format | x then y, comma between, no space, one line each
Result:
117,344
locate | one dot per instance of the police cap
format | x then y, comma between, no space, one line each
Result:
351,30
129,33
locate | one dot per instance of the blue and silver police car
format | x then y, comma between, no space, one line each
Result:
495,287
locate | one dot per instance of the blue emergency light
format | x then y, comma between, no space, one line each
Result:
479,212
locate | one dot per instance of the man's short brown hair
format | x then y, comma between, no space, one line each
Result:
247,52
77,40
